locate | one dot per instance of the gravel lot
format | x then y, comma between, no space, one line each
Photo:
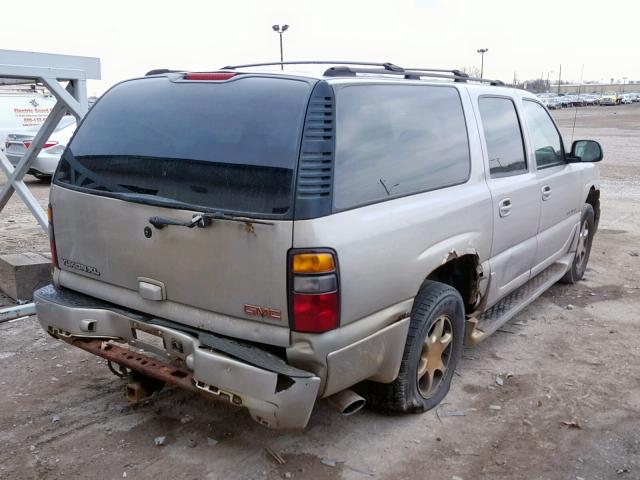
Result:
569,407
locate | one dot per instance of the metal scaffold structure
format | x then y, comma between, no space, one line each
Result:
52,71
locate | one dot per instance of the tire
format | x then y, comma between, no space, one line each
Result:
583,250
436,304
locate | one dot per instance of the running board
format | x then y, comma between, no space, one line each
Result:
507,308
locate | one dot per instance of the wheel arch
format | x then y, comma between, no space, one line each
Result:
593,199
462,272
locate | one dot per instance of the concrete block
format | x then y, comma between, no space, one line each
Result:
22,273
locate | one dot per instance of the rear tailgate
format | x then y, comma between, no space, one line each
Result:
171,148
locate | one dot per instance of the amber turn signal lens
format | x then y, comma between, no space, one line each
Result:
313,263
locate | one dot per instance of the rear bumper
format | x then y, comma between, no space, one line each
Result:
276,394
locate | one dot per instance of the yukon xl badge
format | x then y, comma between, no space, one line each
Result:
80,267
264,312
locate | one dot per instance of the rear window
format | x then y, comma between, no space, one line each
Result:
229,146
396,140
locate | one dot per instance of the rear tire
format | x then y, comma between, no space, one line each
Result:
431,353
583,250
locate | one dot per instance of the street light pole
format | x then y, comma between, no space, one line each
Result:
482,51
280,30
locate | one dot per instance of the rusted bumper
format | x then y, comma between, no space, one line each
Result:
276,394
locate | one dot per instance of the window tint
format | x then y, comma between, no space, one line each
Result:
503,136
544,135
230,146
395,140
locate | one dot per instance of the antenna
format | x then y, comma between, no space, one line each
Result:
576,112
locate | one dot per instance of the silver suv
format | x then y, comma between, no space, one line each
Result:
272,238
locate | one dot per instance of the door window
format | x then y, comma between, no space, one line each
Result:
547,143
503,135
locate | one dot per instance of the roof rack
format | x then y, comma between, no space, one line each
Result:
411,74
388,68
386,65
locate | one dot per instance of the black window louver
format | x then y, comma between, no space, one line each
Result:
315,168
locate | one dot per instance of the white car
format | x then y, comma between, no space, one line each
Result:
626,98
45,164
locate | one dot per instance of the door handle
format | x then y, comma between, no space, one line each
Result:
546,192
504,207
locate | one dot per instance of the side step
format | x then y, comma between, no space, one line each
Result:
507,308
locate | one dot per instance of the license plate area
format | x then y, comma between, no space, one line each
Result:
148,339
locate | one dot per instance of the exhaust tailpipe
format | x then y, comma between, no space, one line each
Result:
347,402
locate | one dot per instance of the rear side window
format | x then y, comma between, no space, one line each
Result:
230,146
503,136
545,137
396,140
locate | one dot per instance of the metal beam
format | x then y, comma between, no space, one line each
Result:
64,96
25,194
20,64
18,311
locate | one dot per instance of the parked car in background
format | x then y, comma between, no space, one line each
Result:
554,103
45,164
626,98
610,98
312,233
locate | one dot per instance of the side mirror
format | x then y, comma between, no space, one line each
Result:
587,150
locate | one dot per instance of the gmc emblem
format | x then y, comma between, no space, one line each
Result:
263,312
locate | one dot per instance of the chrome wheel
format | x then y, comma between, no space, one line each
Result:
434,359
583,244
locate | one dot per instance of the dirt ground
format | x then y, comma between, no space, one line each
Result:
569,408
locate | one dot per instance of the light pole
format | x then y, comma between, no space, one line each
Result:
624,80
482,51
280,30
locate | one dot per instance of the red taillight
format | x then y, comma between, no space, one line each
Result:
314,291
52,239
209,76
27,144
315,313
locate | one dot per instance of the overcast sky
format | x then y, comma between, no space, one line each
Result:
135,36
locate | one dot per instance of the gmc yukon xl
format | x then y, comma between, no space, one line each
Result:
272,237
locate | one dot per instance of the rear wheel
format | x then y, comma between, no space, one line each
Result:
431,353
583,249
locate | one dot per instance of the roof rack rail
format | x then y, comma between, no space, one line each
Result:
411,74
388,68
386,65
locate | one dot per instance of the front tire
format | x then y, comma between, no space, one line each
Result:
431,353
583,250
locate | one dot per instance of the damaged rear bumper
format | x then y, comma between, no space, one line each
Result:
276,394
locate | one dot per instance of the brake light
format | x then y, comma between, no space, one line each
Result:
314,291
27,144
315,313
209,76
52,238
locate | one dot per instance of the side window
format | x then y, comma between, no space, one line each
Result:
544,136
396,140
503,135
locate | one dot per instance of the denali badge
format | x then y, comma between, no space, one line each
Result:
264,312
81,267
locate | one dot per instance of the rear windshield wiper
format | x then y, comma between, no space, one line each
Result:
204,220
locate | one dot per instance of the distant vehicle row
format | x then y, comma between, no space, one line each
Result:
553,102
